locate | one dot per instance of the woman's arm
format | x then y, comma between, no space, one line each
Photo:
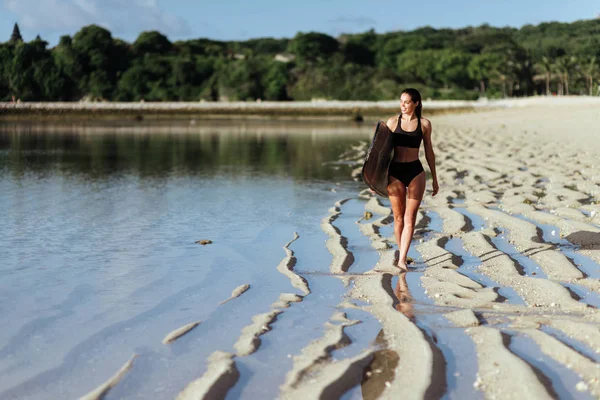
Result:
429,154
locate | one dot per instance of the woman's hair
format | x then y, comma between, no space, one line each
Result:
415,96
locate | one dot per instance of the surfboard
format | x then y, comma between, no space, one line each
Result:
377,161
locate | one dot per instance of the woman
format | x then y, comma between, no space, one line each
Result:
406,183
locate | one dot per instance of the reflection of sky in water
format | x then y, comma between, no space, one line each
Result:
98,253
551,234
562,379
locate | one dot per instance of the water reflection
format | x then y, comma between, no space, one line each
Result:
116,210
405,300
208,150
382,369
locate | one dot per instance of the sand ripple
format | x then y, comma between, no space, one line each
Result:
508,252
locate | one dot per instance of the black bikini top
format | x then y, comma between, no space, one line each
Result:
408,139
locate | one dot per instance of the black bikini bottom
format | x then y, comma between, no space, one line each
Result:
405,172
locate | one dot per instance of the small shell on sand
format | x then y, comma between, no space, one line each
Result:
237,292
101,390
177,333
581,386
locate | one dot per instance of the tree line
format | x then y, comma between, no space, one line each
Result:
549,58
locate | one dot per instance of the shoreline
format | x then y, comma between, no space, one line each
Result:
309,110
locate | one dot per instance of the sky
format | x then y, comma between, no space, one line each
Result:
241,20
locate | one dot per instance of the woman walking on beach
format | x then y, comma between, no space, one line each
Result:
406,176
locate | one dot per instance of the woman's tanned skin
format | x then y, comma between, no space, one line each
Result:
405,201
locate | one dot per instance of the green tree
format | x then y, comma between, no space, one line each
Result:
99,59
267,46
133,85
67,62
275,82
590,71
546,67
188,77
451,67
16,35
389,49
148,79
152,42
358,53
51,83
200,47
310,83
564,67
183,79
360,49
475,39
481,69
32,75
21,72
6,57
313,46
511,67
47,76
417,66
443,63
239,80
353,82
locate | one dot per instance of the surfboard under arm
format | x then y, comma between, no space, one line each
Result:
377,161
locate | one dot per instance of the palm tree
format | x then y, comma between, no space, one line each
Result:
480,69
502,78
506,74
591,71
564,66
523,76
545,66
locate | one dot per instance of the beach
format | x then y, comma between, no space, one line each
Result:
304,301
317,109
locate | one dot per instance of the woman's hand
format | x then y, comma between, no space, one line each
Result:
436,187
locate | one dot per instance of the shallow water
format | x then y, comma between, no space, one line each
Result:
100,263
98,253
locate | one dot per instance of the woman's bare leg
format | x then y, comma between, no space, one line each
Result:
415,192
397,194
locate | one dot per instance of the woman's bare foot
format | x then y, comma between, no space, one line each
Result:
403,266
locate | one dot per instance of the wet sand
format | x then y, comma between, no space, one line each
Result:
519,173
501,300
507,253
